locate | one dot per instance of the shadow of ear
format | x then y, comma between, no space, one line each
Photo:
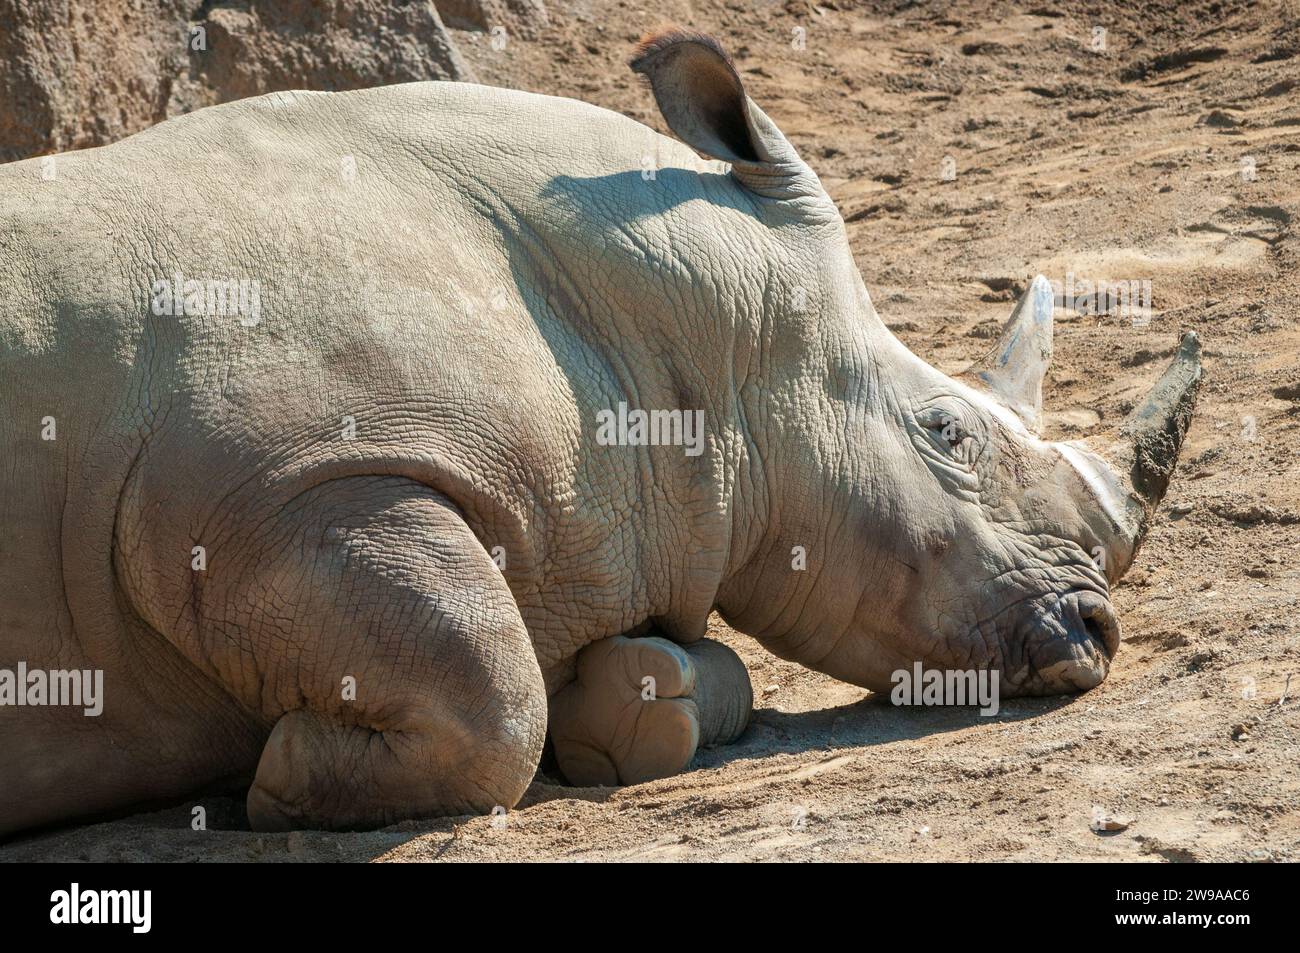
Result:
626,197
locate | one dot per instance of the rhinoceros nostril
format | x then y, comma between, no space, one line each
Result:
1098,620
1095,632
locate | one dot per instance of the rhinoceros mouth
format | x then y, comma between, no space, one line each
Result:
1067,643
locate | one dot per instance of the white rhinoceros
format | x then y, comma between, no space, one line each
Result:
356,440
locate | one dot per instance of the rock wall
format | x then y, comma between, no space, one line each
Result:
80,73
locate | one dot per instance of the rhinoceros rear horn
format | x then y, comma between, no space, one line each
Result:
1013,371
1154,431
703,101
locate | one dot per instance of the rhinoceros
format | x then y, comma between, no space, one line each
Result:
359,443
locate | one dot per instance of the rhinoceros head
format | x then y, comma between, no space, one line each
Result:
1009,543
935,525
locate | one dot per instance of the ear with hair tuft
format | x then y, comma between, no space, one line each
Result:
703,101
1013,372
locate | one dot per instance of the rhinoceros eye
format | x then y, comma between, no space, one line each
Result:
949,437
944,428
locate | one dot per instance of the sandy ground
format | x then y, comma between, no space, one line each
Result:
1172,155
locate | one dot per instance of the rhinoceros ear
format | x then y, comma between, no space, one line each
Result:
703,101
1014,370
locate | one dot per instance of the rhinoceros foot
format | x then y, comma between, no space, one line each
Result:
639,708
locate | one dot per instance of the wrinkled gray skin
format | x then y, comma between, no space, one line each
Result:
497,271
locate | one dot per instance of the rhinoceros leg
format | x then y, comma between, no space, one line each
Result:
390,648
639,708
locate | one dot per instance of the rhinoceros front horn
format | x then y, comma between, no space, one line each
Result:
1154,431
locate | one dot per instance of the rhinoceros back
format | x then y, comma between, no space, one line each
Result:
246,301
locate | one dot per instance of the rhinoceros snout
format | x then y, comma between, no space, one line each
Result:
1070,645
